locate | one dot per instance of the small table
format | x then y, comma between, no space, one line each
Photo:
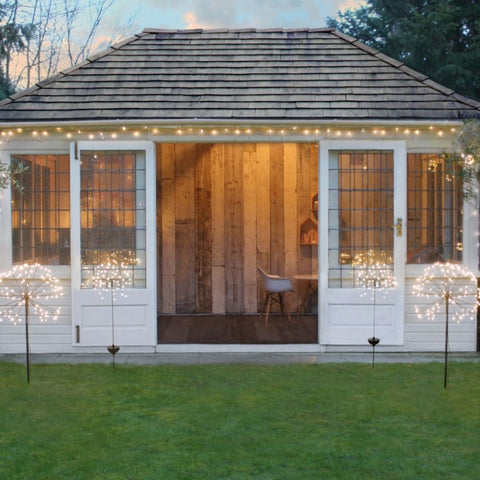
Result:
312,289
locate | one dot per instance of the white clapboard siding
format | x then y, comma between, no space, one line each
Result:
422,334
50,336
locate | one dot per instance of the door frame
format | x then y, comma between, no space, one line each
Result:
146,296
345,296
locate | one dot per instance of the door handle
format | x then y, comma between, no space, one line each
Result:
399,227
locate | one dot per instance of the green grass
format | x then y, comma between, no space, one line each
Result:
328,421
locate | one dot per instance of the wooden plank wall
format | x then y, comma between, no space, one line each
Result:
223,210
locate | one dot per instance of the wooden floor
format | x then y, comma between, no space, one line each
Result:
237,329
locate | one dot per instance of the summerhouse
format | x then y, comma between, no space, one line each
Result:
185,160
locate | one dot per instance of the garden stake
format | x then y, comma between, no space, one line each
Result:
113,349
373,341
447,297
451,287
25,287
26,338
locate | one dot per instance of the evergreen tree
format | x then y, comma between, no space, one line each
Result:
440,38
13,38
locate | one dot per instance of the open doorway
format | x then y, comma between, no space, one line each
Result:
222,210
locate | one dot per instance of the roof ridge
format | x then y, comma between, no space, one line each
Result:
424,79
150,30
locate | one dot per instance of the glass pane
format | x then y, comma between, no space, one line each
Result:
435,211
41,211
361,216
112,198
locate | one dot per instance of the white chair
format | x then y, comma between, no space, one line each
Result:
274,286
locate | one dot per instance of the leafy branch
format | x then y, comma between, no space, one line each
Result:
464,160
11,175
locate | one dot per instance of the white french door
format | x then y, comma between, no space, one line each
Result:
362,242
113,243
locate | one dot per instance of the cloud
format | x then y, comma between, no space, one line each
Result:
255,13
243,13
192,21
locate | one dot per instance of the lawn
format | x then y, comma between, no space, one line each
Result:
327,421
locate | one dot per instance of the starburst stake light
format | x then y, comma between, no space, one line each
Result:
451,288
113,277
26,291
374,273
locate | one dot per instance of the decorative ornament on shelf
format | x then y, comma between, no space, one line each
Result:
449,288
26,291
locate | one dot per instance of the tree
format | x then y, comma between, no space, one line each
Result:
440,38
464,161
66,33
13,38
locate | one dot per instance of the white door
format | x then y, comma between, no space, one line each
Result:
362,242
113,243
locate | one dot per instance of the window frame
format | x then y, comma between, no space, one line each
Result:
6,259
49,213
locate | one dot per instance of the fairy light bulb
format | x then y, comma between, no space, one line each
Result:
34,284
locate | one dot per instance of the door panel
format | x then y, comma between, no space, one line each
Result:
363,244
113,243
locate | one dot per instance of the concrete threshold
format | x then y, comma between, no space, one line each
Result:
207,358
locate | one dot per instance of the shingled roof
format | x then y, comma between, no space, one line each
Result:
271,75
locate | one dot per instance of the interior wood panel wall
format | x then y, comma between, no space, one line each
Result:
223,210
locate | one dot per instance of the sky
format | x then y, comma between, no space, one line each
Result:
183,14
124,18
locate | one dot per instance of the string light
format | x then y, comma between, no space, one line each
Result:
449,287
374,271
26,291
32,285
113,276
451,281
231,130
374,274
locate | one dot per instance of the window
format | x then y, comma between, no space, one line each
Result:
435,209
360,214
113,222
41,212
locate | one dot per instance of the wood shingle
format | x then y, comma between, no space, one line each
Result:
294,75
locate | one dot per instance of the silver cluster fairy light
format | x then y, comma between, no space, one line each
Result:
26,291
374,274
447,288
112,277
